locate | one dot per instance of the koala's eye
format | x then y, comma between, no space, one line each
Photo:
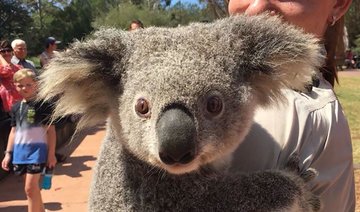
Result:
214,105
142,108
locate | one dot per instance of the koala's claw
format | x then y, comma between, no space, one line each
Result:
309,174
315,203
293,165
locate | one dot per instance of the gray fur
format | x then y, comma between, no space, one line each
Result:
241,61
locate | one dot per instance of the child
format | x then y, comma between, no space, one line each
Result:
32,141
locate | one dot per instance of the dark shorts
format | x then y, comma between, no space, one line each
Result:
20,169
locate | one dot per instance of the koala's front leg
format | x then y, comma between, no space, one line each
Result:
307,201
286,190
274,190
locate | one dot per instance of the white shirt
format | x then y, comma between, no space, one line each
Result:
314,126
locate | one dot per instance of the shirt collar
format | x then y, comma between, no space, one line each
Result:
15,60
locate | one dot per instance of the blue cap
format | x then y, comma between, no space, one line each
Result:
52,41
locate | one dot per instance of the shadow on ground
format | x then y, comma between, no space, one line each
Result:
53,206
21,208
74,165
11,187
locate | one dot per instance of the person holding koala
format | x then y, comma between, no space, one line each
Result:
312,124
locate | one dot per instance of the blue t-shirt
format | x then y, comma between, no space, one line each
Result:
31,120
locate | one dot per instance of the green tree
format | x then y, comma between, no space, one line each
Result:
14,18
216,8
352,22
179,14
73,22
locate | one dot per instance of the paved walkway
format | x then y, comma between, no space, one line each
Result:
349,72
70,185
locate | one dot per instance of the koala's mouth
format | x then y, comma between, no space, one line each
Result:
180,164
179,168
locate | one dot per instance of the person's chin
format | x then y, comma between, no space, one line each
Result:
28,97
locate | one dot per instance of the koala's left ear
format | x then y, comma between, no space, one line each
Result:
86,78
273,55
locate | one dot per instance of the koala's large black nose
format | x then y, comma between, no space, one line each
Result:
177,136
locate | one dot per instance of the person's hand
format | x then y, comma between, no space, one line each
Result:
6,161
51,161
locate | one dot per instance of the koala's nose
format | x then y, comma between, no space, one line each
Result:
177,136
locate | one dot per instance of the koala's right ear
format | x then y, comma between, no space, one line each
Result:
86,78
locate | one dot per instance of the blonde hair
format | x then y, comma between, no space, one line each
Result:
24,73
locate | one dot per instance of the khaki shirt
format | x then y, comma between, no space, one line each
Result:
314,126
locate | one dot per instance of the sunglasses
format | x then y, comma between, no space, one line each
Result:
5,50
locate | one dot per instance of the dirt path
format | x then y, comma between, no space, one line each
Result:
357,190
349,72
70,185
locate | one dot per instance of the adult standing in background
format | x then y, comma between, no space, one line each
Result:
20,53
311,124
50,48
8,92
135,24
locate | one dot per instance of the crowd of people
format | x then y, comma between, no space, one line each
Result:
26,131
28,136
12,58
352,60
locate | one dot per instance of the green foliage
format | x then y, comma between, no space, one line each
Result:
123,14
357,44
36,60
66,20
103,6
352,20
14,18
74,22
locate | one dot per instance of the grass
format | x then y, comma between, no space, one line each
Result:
349,95
36,60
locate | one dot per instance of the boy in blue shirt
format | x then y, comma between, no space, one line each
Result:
32,139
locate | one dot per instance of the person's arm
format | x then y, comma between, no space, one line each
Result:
9,150
51,141
334,163
43,60
5,68
3,61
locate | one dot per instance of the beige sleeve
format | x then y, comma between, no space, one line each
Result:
313,126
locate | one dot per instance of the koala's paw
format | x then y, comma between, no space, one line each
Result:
308,200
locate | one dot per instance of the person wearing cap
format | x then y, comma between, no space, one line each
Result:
50,47
20,53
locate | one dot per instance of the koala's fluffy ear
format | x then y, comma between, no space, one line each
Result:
85,79
273,55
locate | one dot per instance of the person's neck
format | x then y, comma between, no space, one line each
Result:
19,58
49,51
28,99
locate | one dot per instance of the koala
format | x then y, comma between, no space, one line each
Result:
178,102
